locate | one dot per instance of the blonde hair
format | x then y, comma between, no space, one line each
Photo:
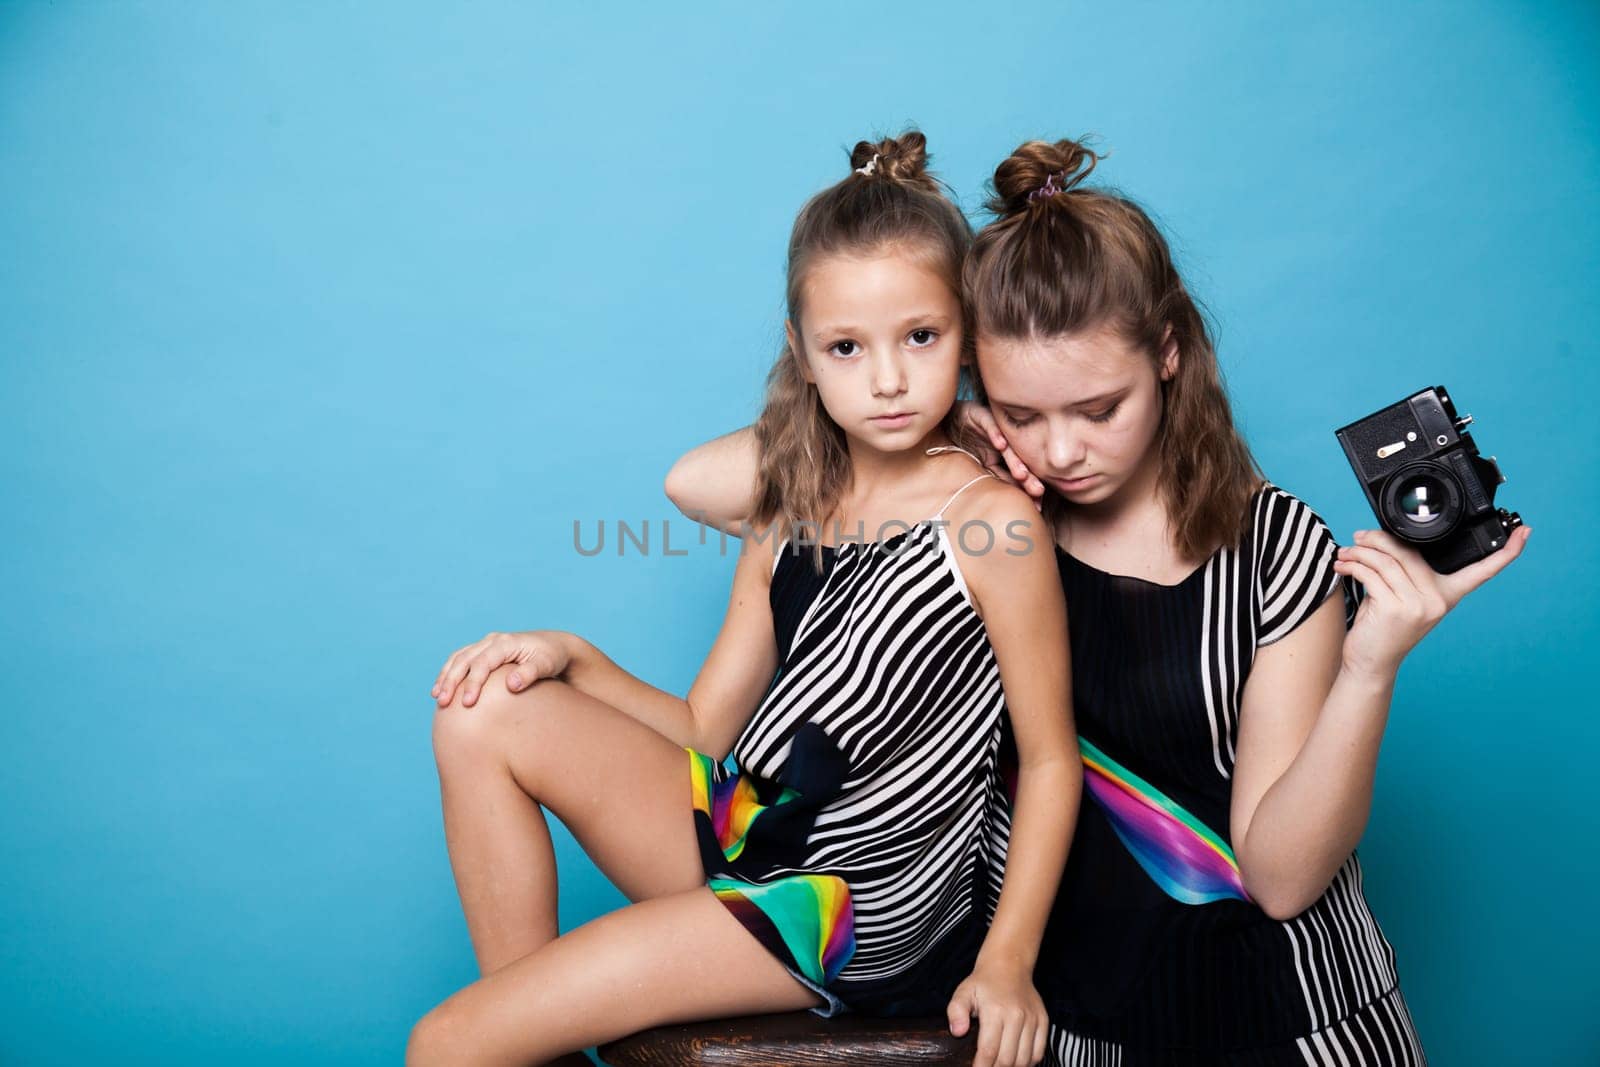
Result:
1061,258
889,201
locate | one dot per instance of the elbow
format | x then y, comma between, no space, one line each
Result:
1280,898
676,486
1281,907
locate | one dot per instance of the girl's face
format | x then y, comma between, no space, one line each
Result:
880,338
1081,410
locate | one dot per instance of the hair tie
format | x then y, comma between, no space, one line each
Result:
872,165
1049,188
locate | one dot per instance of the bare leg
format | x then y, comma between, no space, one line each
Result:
671,959
620,787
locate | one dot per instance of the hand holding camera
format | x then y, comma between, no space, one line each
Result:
1442,536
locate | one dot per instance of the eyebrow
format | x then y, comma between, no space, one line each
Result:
933,318
1084,403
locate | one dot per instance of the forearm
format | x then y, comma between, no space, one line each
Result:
1043,817
716,482
1310,820
591,672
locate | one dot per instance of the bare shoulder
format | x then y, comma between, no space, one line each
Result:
993,501
1000,541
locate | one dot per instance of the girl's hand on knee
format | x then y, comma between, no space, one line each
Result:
536,654
1012,1023
1405,597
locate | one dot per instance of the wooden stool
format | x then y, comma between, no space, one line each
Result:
794,1039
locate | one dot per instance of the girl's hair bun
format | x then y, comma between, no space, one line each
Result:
903,158
1037,171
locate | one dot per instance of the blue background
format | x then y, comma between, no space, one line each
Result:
320,325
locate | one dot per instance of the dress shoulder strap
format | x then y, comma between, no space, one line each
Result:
956,448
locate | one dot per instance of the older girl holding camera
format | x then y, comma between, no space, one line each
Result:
1230,705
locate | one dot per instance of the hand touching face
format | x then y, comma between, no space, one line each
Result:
1081,411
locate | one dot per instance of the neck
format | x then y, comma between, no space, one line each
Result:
872,468
1135,513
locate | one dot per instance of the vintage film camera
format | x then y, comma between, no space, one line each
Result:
1426,482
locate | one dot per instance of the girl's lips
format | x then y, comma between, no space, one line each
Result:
893,420
1073,485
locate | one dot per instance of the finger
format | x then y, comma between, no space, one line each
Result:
1019,470
452,675
1419,570
1394,575
988,1043
1034,487
959,1012
1041,1041
1023,1051
438,679
1005,1046
477,671
445,672
984,419
1468,578
1378,590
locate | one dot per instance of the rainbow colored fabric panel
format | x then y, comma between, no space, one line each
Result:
805,919
1185,857
730,804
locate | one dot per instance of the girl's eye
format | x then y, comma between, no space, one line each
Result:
1018,421
923,338
1105,416
844,349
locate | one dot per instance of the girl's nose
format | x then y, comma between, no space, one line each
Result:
1064,450
888,375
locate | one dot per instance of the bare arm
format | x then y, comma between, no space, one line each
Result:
1019,597
716,482
725,693
730,684
1312,719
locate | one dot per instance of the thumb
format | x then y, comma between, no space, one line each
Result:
960,1011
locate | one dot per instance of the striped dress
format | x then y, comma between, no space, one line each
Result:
860,833
1154,953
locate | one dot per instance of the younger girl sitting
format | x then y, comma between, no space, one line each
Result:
868,677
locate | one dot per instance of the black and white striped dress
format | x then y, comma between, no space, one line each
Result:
1154,953
888,704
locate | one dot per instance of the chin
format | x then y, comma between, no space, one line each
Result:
1101,491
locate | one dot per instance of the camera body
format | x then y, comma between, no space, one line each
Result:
1426,482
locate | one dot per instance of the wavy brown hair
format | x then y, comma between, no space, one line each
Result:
1062,258
888,201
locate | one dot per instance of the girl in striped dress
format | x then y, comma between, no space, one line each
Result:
877,672
1212,909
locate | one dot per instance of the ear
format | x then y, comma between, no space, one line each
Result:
1167,364
796,351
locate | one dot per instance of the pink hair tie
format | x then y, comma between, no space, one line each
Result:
1049,188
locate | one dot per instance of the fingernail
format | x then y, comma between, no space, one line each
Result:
516,681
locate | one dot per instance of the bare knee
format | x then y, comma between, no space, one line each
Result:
441,1036
484,732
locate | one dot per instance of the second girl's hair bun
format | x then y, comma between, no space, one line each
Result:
902,158
1038,170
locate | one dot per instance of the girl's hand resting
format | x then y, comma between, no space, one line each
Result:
540,654
1012,1024
1003,460
1405,596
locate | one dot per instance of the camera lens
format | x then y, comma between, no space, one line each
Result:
1422,502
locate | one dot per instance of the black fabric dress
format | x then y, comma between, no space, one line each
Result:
1154,954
